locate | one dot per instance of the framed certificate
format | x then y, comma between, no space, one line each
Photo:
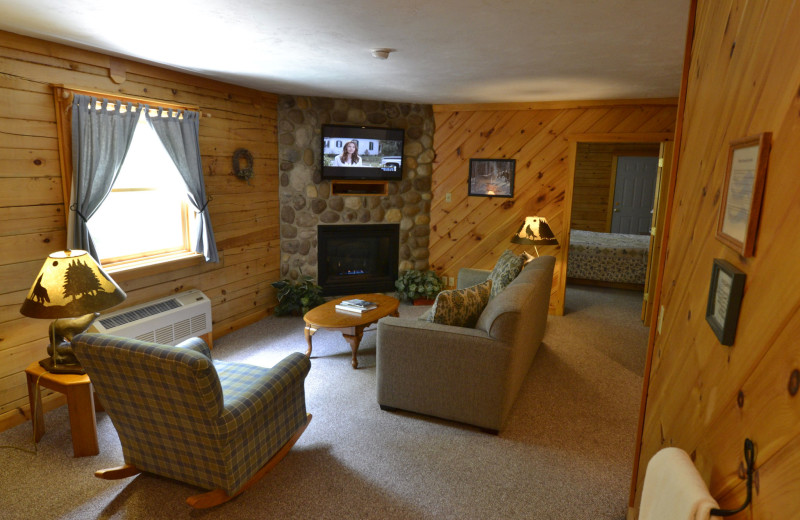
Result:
742,192
724,300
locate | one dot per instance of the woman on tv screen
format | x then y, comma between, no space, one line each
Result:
349,155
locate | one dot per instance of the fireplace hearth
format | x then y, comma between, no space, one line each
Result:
357,258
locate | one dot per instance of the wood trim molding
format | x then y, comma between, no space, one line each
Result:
676,152
553,105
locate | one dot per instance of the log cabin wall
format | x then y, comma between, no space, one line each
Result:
32,225
473,231
706,398
595,170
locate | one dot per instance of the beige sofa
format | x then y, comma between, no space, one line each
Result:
462,374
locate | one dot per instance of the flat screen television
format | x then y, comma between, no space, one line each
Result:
362,153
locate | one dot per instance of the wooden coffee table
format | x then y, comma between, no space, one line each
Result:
351,325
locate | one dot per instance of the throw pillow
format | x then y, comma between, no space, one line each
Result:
461,307
505,270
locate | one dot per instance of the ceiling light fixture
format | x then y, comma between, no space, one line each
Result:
381,54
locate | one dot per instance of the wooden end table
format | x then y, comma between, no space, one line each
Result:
80,402
351,325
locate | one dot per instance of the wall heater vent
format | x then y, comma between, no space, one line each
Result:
167,320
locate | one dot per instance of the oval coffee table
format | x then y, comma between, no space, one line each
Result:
350,324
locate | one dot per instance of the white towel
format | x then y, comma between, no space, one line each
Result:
673,489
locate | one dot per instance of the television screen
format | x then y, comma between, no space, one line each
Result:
362,153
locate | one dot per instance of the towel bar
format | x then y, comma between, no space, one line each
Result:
749,459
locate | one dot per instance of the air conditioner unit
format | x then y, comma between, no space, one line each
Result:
167,320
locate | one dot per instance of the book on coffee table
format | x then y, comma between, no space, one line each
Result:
355,306
358,304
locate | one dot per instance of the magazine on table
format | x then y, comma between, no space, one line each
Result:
358,304
353,310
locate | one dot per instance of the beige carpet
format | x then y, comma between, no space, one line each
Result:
566,452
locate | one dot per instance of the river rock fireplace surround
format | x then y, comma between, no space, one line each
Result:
357,258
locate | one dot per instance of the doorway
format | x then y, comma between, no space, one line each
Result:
590,200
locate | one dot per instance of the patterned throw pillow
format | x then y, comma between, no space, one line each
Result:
505,270
461,307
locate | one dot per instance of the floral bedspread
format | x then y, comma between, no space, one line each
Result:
608,257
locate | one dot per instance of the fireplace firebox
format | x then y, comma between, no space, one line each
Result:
357,258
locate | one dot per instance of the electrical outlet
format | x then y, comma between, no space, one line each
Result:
448,197
660,319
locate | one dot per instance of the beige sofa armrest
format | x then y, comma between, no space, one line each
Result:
467,277
458,373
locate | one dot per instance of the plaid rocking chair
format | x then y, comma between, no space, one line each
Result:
212,424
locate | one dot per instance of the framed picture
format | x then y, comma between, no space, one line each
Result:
742,192
491,177
724,300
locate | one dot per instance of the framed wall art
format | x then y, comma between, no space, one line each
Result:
742,192
724,300
491,177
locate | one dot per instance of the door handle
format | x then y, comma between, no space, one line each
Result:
616,210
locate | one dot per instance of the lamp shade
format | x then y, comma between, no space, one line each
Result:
535,231
71,284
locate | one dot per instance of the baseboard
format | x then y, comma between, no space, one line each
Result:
21,414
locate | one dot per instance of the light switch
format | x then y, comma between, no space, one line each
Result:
448,197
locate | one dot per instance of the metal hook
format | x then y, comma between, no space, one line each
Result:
749,459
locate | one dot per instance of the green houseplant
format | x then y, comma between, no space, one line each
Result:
297,297
419,285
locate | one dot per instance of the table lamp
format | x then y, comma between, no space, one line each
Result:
536,232
70,288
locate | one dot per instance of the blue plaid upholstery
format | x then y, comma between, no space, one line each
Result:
181,415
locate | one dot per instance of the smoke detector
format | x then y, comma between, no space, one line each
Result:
381,54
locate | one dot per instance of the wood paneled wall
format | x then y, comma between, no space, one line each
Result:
32,223
706,398
592,193
474,231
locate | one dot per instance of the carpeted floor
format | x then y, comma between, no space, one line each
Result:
566,452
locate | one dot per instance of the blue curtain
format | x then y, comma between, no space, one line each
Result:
181,138
100,141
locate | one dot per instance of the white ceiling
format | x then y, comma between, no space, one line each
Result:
446,51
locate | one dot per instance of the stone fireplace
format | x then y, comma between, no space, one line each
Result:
357,258
307,202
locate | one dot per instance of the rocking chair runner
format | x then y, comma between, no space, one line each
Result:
212,424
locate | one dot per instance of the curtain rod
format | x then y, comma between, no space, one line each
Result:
165,104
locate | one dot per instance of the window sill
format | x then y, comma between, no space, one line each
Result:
126,271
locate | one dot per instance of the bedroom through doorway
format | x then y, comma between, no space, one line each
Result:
615,222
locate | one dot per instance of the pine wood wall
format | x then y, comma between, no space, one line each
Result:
593,185
32,224
706,398
474,231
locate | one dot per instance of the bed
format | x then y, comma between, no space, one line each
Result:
613,259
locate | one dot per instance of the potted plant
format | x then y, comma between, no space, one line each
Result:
421,287
297,297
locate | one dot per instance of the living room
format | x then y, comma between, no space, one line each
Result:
694,383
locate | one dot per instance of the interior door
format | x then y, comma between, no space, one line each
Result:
657,229
634,189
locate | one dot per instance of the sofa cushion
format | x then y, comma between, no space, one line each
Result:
505,270
461,307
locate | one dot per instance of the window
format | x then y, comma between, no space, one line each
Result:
148,179
156,210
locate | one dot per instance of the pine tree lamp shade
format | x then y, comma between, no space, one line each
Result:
535,231
71,288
